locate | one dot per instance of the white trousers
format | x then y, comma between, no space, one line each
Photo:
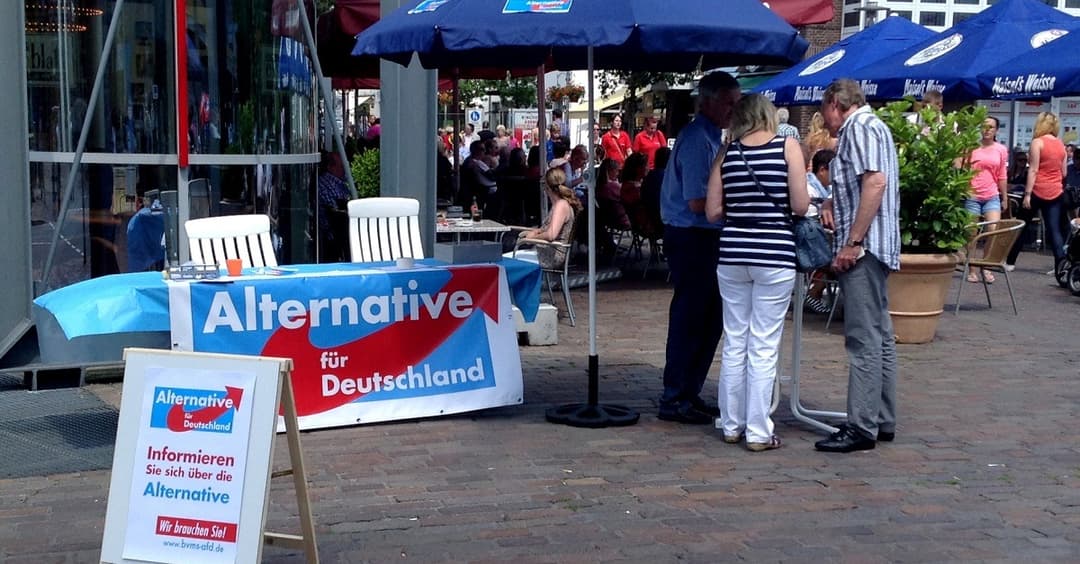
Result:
755,300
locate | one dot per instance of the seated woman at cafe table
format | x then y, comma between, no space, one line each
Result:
558,227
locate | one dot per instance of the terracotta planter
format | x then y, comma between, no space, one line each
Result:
917,295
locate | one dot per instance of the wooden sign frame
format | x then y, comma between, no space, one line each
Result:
273,392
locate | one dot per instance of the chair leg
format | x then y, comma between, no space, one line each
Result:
566,298
550,287
832,310
960,289
986,288
1009,286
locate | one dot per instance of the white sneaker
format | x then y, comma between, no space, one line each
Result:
1010,267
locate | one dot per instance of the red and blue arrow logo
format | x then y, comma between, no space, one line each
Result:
190,409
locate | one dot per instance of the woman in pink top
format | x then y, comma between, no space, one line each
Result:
989,194
1043,191
649,140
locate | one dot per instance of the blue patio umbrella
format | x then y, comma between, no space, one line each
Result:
1050,70
589,34
950,62
624,34
805,82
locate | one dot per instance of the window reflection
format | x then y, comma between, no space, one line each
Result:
250,96
249,88
135,109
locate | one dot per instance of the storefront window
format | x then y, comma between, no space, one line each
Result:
250,83
251,131
63,48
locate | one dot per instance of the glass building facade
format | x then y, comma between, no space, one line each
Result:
218,119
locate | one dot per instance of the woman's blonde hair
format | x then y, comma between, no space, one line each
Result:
1046,123
753,112
818,138
555,179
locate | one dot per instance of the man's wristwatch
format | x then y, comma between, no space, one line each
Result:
854,243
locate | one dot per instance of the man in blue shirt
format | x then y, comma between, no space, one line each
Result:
695,323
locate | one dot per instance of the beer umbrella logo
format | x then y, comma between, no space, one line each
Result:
936,50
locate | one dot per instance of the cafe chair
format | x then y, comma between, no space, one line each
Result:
384,229
528,249
997,238
211,240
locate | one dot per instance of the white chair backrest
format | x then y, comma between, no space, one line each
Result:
246,237
384,229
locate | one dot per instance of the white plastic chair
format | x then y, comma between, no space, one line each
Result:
384,229
211,240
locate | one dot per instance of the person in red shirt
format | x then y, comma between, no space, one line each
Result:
616,142
649,140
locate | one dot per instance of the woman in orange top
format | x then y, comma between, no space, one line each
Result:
1043,191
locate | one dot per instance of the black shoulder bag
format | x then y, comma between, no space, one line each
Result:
812,249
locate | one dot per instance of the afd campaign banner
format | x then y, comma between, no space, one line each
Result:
367,346
189,463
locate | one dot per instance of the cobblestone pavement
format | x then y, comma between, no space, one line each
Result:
985,467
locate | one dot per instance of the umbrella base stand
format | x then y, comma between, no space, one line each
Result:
592,415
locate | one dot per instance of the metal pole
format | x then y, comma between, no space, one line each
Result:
69,185
327,96
592,234
456,101
541,138
797,409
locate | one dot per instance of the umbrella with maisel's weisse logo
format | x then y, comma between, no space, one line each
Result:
805,83
1049,70
951,61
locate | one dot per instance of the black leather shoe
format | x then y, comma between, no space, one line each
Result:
687,415
886,436
706,408
847,439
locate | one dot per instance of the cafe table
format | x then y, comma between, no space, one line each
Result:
457,227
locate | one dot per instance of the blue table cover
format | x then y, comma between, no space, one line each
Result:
139,301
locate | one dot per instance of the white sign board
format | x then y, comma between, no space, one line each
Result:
191,466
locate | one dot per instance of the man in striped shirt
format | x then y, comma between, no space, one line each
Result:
864,212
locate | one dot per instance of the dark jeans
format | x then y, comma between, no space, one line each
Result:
1054,224
695,322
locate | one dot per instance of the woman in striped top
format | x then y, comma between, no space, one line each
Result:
754,187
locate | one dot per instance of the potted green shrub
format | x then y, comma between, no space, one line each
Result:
935,180
365,173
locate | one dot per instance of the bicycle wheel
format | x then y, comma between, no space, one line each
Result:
1074,280
1061,271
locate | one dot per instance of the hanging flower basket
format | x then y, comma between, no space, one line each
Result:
571,92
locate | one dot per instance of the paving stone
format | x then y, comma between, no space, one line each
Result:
976,474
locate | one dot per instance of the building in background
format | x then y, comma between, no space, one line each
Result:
934,14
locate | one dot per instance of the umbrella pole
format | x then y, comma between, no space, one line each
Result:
592,414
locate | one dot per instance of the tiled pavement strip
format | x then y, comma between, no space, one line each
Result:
985,467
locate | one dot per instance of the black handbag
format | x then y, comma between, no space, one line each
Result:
812,249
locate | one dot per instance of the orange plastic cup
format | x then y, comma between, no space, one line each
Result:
235,266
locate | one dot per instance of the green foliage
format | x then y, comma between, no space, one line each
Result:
513,92
247,126
636,81
365,173
932,187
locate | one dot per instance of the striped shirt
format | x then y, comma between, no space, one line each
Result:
757,215
865,145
